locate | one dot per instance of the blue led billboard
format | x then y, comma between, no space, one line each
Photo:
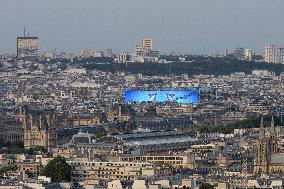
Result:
178,96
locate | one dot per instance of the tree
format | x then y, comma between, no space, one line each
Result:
5,170
206,186
58,170
40,149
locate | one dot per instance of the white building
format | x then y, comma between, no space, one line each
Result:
123,57
281,52
272,54
248,54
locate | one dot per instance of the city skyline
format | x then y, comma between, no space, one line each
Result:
141,94
191,27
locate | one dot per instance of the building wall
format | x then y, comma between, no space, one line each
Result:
88,170
271,54
27,48
38,131
147,43
11,130
175,161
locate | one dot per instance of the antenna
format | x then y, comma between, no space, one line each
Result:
24,31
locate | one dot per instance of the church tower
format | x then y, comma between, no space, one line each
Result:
264,147
273,137
39,130
261,151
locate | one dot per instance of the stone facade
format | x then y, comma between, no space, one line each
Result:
268,159
39,129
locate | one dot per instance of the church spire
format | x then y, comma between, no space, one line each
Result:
262,130
272,126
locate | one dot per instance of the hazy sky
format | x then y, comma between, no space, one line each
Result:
195,26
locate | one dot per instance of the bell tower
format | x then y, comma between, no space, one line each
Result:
261,151
39,129
273,137
264,147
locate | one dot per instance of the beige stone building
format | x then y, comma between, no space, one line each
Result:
90,170
39,130
268,158
180,161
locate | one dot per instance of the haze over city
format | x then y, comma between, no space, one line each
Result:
190,26
141,94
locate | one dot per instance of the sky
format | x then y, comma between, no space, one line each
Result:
187,26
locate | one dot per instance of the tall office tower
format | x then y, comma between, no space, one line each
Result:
271,54
239,53
147,43
27,48
248,54
109,53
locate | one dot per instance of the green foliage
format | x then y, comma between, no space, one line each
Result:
13,148
58,170
39,149
206,186
5,170
18,148
243,124
213,67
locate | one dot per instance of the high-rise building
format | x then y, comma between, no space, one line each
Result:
27,48
281,52
248,54
147,43
271,54
239,53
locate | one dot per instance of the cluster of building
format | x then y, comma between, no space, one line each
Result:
244,54
110,144
27,49
81,115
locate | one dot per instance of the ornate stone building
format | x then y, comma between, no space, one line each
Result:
39,129
268,158
10,129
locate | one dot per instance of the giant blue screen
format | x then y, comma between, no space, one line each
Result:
178,96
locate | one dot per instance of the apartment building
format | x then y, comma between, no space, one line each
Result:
172,160
273,54
89,170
